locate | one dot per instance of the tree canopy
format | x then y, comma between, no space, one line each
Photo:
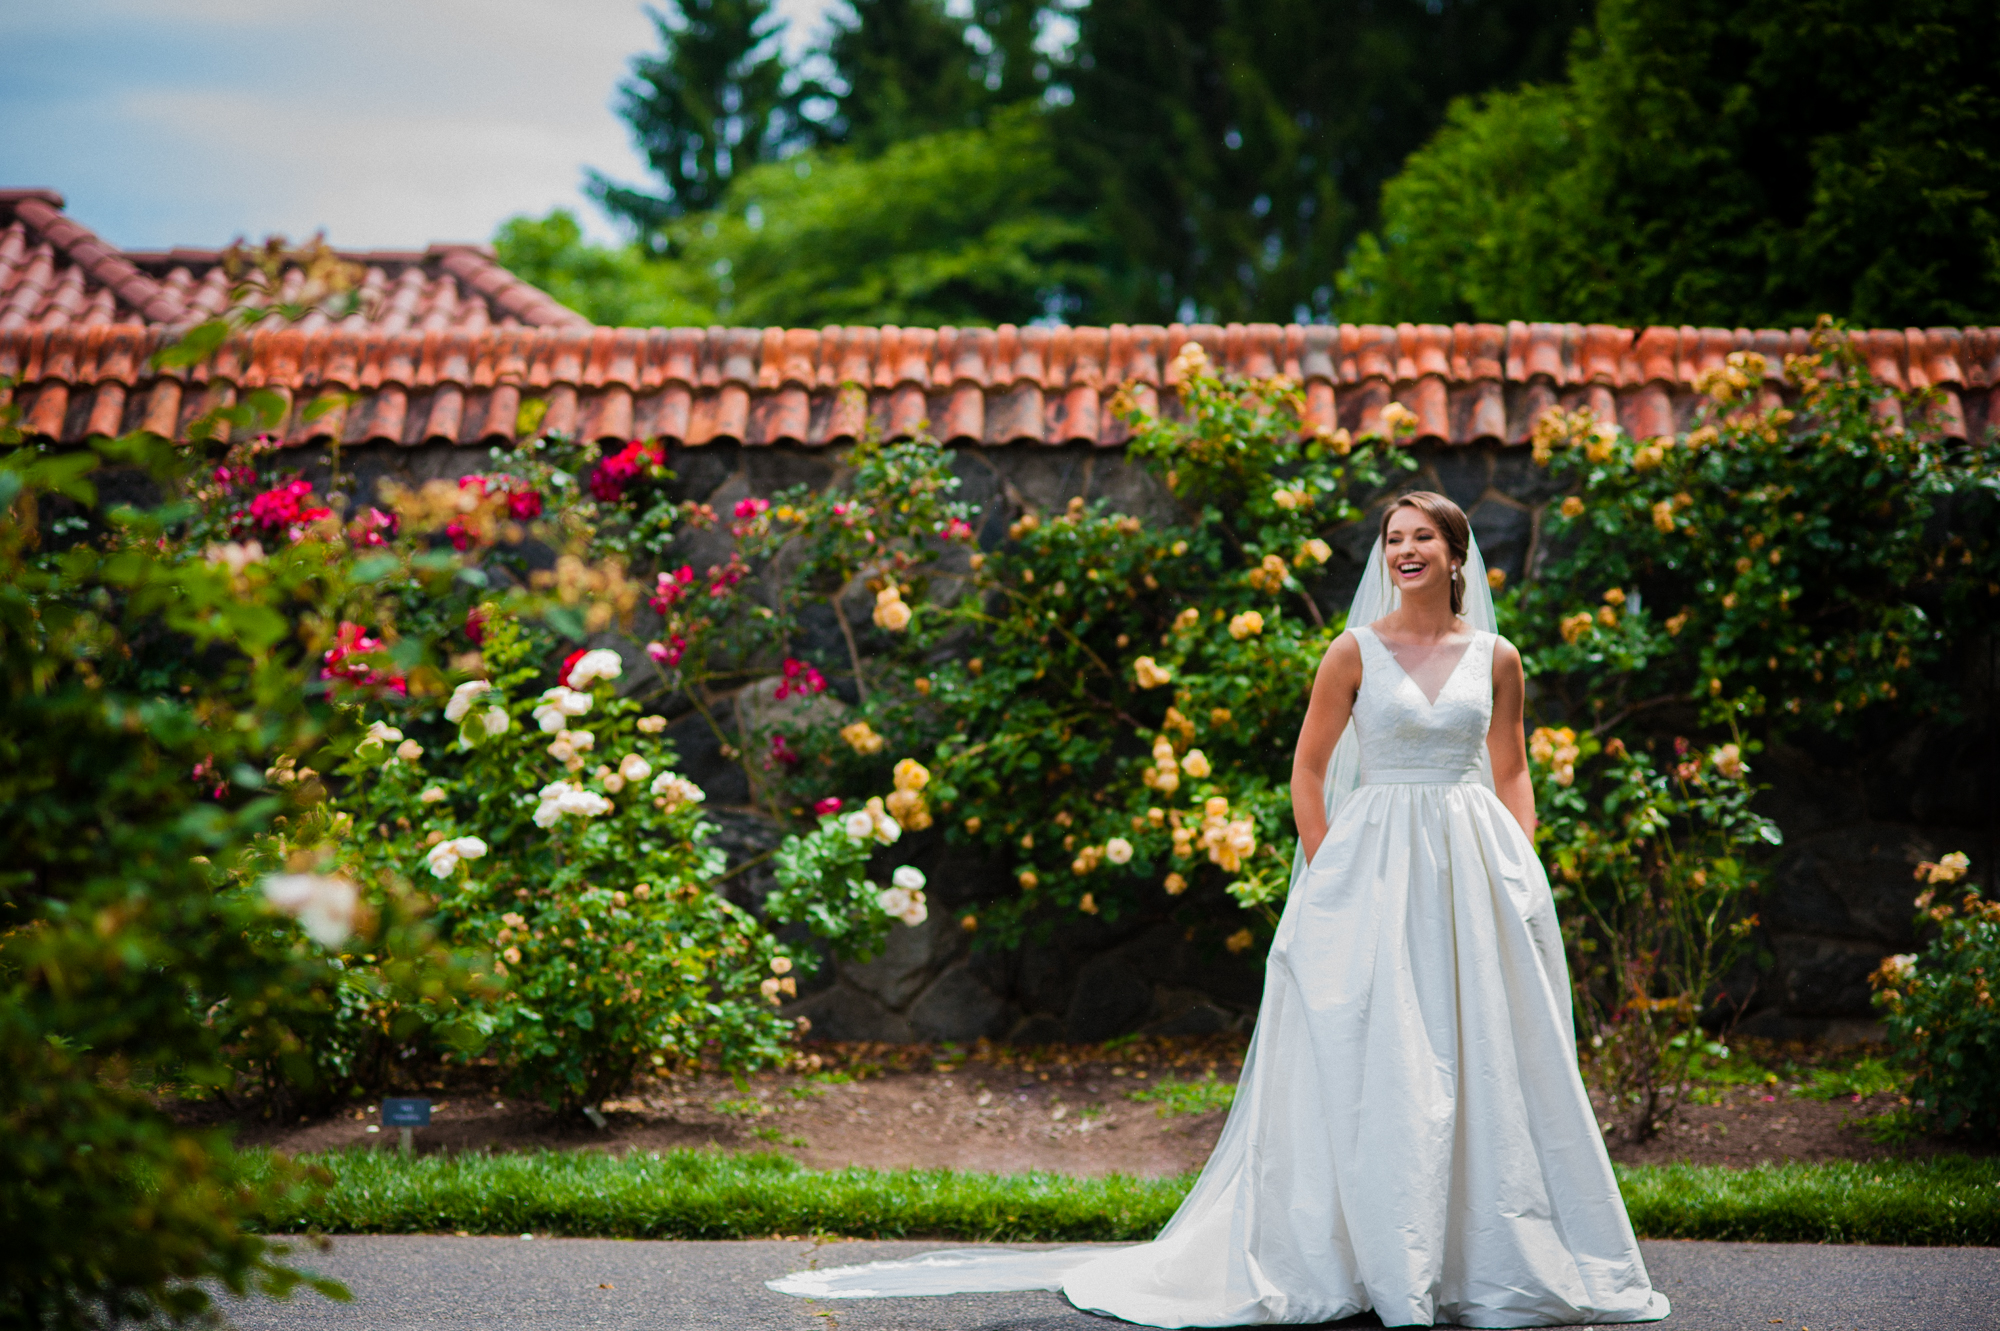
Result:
1378,160
1709,164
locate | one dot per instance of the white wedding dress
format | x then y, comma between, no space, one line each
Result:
1410,1134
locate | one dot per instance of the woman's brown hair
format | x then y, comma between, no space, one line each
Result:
1450,520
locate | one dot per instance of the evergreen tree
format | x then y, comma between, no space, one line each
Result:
1711,164
907,68
712,103
1232,150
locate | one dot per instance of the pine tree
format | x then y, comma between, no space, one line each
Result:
1232,149
907,68
711,103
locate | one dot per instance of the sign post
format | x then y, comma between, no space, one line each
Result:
406,1115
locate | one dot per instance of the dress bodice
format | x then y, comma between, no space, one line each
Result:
1406,737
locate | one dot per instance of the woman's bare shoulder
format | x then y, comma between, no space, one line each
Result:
1506,656
1344,647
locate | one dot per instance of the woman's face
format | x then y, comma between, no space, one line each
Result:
1419,559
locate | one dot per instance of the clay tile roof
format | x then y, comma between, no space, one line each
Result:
456,345
57,273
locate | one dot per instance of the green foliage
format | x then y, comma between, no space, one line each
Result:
616,285
1232,153
1942,1201
148,692
1204,1095
1711,165
974,166
1767,571
1939,1010
906,69
1033,681
1471,226
711,104
711,1195
708,1195
1651,870
821,883
607,948
971,241
950,228
1863,1078
1790,567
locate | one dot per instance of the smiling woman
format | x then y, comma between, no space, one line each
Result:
1418,957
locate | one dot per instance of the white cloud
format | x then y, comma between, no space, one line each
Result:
387,123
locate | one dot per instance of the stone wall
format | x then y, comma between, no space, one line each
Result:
1856,817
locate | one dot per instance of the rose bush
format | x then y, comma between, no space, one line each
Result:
567,855
1772,570
1938,1003
1097,701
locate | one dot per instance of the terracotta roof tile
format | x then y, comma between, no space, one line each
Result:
55,272
1475,382
451,346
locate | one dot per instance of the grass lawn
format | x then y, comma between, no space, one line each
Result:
712,1195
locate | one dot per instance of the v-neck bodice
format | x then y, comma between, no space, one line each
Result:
1406,737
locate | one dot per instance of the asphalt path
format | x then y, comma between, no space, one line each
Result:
547,1284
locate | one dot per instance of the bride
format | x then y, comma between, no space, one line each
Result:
1410,1134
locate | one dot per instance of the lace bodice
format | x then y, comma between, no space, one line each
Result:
1406,737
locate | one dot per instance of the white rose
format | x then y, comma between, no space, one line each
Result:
461,699
378,734
431,795
324,907
409,750
470,848
443,859
858,824
1118,850
496,721
595,665
613,782
916,912
634,768
894,901
908,877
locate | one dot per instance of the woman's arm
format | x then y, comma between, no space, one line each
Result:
1505,740
1334,686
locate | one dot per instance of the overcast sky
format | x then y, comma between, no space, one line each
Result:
387,123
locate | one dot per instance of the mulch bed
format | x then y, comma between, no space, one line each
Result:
1062,1109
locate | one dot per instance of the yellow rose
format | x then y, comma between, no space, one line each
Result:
1245,625
1572,507
861,737
1150,673
1195,764
1175,884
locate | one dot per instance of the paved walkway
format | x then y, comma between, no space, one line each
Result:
542,1284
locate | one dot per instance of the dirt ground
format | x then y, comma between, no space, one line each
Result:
1064,1109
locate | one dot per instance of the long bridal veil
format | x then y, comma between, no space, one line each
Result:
991,1270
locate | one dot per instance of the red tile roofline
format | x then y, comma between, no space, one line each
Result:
68,267
42,209
1467,383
